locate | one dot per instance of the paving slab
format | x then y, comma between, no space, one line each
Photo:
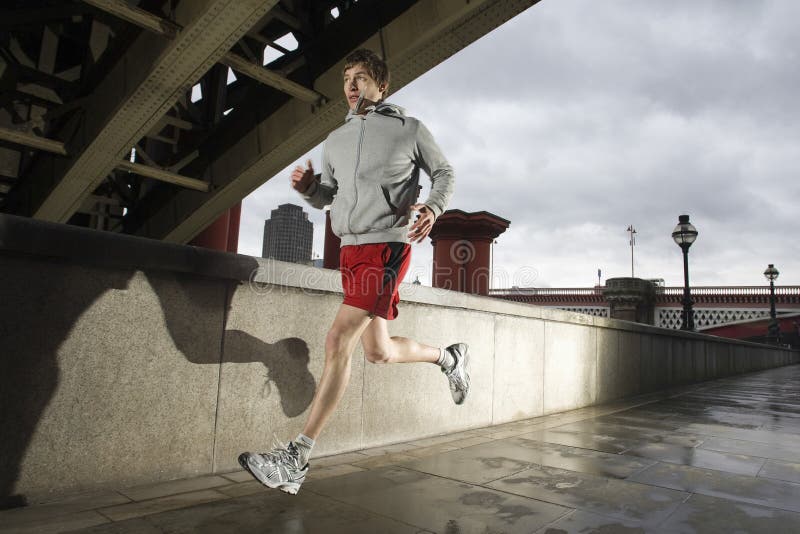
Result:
489,461
73,510
711,515
617,429
583,440
627,429
763,450
429,442
676,454
580,522
376,462
468,442
173,487
606,496
438,504
338,459
170,502
761,491
53,525
760,436
333,471
431,451
141,525
242,488
267,512
787,471
388,449
238,476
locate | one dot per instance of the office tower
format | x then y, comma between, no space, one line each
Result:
288,235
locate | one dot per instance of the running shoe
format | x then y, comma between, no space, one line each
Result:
458,375
280,468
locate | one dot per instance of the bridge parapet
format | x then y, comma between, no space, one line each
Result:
700,294
713,305
787,296
157,361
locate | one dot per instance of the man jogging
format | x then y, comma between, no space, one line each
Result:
370,179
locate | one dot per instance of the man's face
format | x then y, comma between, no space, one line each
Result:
357,79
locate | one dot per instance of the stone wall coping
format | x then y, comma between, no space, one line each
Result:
62,242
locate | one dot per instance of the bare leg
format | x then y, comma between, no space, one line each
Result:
348,325
379,347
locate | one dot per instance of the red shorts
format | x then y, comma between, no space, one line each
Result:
371,275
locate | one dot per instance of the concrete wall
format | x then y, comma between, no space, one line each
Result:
127,361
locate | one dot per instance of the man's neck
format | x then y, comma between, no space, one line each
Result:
365,103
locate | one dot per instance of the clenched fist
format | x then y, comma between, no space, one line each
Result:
302,178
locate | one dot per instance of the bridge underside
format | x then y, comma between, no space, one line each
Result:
153,117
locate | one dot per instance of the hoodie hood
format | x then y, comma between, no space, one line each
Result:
384,108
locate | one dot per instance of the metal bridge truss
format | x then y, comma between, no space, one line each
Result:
153,117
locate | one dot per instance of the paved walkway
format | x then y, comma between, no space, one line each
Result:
719,457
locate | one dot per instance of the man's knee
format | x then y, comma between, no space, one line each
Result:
377,355
337,343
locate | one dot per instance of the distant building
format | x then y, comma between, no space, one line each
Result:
288,235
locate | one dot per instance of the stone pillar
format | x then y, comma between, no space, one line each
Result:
462,249
631,299
234,218
223,233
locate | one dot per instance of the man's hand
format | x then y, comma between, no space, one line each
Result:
302,178
422,226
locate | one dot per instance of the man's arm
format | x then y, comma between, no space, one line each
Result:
318,193
429,157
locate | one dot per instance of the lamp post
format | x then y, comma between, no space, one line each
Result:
684,235
774,331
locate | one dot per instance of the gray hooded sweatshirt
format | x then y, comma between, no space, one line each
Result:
370,175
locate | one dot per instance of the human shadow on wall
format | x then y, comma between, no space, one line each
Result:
285,360
39,317
38,313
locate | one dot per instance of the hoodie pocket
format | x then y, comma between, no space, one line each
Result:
388,211
374,212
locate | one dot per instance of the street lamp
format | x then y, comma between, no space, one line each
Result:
684,235
774,331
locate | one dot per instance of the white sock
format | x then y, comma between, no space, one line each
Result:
304,445
446,360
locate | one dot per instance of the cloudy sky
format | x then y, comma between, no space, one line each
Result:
574,121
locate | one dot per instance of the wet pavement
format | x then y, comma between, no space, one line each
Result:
723,456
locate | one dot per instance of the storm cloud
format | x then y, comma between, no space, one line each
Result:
578,118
